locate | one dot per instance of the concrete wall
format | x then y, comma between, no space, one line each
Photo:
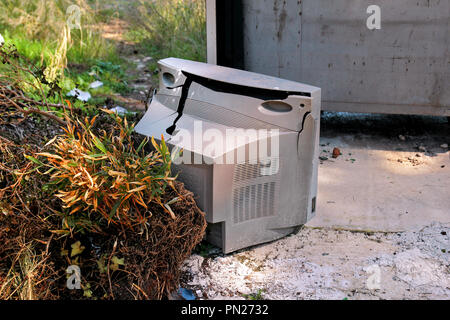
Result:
402,68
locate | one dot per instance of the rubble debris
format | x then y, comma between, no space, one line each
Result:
186,294
444,146
336,152
80,95
95,85
402,137
411,160
121,111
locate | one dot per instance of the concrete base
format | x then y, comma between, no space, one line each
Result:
383,183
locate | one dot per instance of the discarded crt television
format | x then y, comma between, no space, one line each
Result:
250,147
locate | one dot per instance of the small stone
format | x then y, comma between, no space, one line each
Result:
444,146
323,158
402,137
336,152
418,155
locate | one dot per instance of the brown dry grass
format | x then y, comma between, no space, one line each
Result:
31,262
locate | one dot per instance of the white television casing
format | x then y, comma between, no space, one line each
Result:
252,199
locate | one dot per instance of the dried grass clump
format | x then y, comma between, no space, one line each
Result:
119,262
91,184
26,269
155,263
28,274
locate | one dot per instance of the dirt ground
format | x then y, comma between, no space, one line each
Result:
382,225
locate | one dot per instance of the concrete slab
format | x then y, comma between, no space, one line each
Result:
383,183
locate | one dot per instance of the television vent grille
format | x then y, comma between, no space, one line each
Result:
254,201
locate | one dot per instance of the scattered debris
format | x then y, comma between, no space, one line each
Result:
402,137
444,146
121,111
336,152
95,85
410,160
186,294
80,95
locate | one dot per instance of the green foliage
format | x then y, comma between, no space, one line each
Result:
33,49
42,22
170,28
38,29
255,296
112,75
17,75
